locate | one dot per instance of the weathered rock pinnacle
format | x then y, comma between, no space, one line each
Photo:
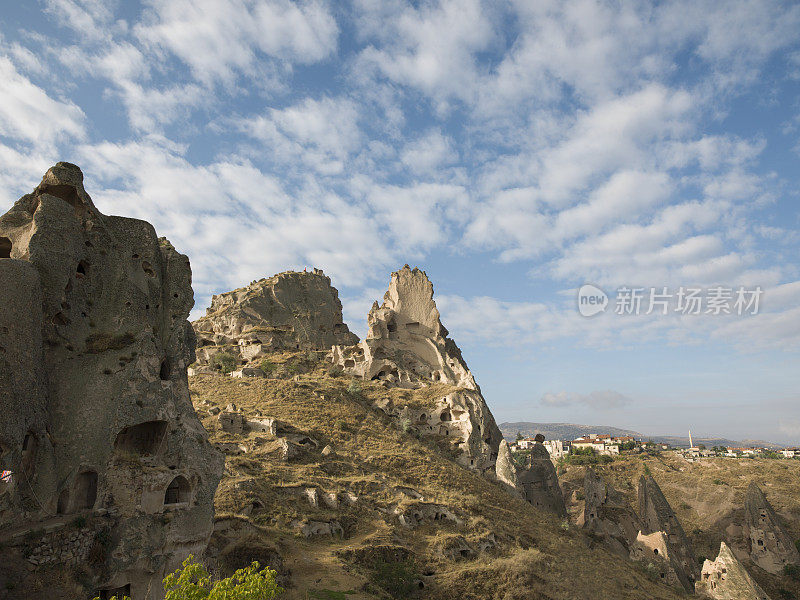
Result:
771,548
726,579
407,346
94,344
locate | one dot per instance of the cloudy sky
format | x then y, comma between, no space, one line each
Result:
515,150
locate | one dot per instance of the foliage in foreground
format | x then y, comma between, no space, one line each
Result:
192,582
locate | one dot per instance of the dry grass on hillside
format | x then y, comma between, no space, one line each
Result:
707,495
536,555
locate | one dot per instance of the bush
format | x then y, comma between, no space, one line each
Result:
354,388
792,571
267,367
224,362
398,578
192,582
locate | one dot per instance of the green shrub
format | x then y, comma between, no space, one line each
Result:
267,367
792,571
354,388
224,362
399,578
329,594
192,582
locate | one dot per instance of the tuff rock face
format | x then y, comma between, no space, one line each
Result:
726,579
771,548
407,346
606,515
290,310
94,344
536,481
657,517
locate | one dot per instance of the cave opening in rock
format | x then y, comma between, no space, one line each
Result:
144,439
85,490
62,505
178,491
166,370
5,247
29,447
120,592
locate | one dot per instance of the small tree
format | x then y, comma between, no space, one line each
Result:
519,436
192,582
354,388
224,362
267,367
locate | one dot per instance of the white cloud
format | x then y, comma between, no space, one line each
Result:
426,154
218,39
321,133
29,114
432,47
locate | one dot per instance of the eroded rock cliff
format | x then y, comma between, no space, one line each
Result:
288,311
98,427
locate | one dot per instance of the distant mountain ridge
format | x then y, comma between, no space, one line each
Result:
571,431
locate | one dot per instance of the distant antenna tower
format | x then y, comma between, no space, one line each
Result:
691,444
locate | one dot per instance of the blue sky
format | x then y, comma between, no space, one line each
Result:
513,150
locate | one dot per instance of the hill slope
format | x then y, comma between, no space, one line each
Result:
707,497
407,520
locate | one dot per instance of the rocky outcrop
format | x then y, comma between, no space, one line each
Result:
657,517
606,516
94,345
726,579
288,311
536,482
771,548
407,346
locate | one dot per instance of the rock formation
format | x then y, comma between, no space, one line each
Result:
407,346
726,579
606,516
658,518
536,481
288,311
97,421
770,546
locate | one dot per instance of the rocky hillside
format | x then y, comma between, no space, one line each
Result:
738,502
370,472
338,495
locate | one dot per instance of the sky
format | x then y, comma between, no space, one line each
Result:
514,150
